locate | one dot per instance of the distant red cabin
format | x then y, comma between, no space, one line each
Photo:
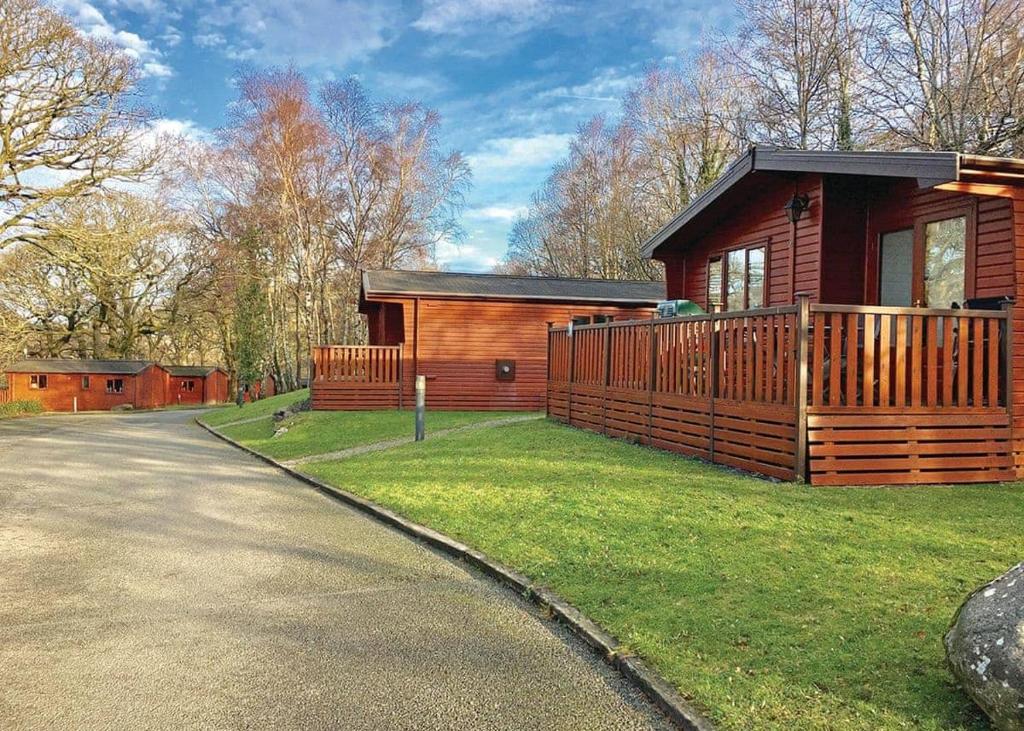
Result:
480,339
87,385
68,384
196,384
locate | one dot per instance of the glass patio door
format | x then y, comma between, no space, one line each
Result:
896,270
924,266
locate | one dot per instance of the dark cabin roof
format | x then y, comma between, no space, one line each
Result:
499,286
75,365
180,371
928,168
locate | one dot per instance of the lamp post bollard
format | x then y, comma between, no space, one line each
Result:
421,407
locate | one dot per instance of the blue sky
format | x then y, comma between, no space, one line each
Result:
512,79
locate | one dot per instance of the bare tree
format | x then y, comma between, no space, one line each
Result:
947,75
788,54
68,124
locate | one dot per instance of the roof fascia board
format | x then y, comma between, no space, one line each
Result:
408,294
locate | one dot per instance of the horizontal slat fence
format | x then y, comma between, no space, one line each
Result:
356,377
890,395
907,395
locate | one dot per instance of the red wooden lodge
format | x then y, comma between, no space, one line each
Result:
861,327
67,384
196,384
480,339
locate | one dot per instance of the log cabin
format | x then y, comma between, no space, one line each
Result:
66,384
480,339
859,324
70,384
196,385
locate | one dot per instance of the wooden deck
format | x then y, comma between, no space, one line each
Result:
356,377
836,395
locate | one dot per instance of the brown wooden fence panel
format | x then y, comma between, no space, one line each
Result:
356,377
657,382
893,395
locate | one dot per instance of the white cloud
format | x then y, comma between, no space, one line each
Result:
310,33
178,128
609,85
517,153
464,257
94,24
209,40
505,214
466,16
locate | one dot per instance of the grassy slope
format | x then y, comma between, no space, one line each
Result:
773,605
266,407
319,432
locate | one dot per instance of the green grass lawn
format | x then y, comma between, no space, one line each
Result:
266,407
319,432
770,605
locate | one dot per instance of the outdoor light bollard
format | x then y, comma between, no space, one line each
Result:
421,406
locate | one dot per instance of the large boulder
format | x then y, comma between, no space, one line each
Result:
985,648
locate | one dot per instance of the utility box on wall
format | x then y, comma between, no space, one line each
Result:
505,370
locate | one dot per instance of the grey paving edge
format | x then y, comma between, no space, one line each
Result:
635,670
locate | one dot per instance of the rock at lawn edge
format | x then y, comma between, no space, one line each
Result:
985,648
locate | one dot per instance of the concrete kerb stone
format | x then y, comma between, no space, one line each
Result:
637,672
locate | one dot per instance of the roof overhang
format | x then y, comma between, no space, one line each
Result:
929,169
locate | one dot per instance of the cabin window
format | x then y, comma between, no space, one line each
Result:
189,386
37,382
580,320
945,256
738,280
115,385
597,319
85,383
714,283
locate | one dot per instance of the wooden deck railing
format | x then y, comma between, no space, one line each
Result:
5,394
831,393
353,377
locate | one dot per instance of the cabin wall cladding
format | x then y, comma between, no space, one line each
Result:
834,394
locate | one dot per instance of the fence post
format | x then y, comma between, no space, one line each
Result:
803,322
572,372
607,376
399,353
652,374
1008,358
712,381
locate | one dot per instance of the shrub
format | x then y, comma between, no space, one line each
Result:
20,408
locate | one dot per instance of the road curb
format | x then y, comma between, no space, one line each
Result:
636,671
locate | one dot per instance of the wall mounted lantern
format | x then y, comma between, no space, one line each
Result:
796,206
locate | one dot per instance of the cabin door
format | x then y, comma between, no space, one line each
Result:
927,265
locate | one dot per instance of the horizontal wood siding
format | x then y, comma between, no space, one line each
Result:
865,447
761,220
459,340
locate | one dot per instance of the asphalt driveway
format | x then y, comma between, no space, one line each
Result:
154,577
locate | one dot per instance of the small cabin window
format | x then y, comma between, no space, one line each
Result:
189,386
580,320
738,279
115,385
598,319
85,383
37,382
714,283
